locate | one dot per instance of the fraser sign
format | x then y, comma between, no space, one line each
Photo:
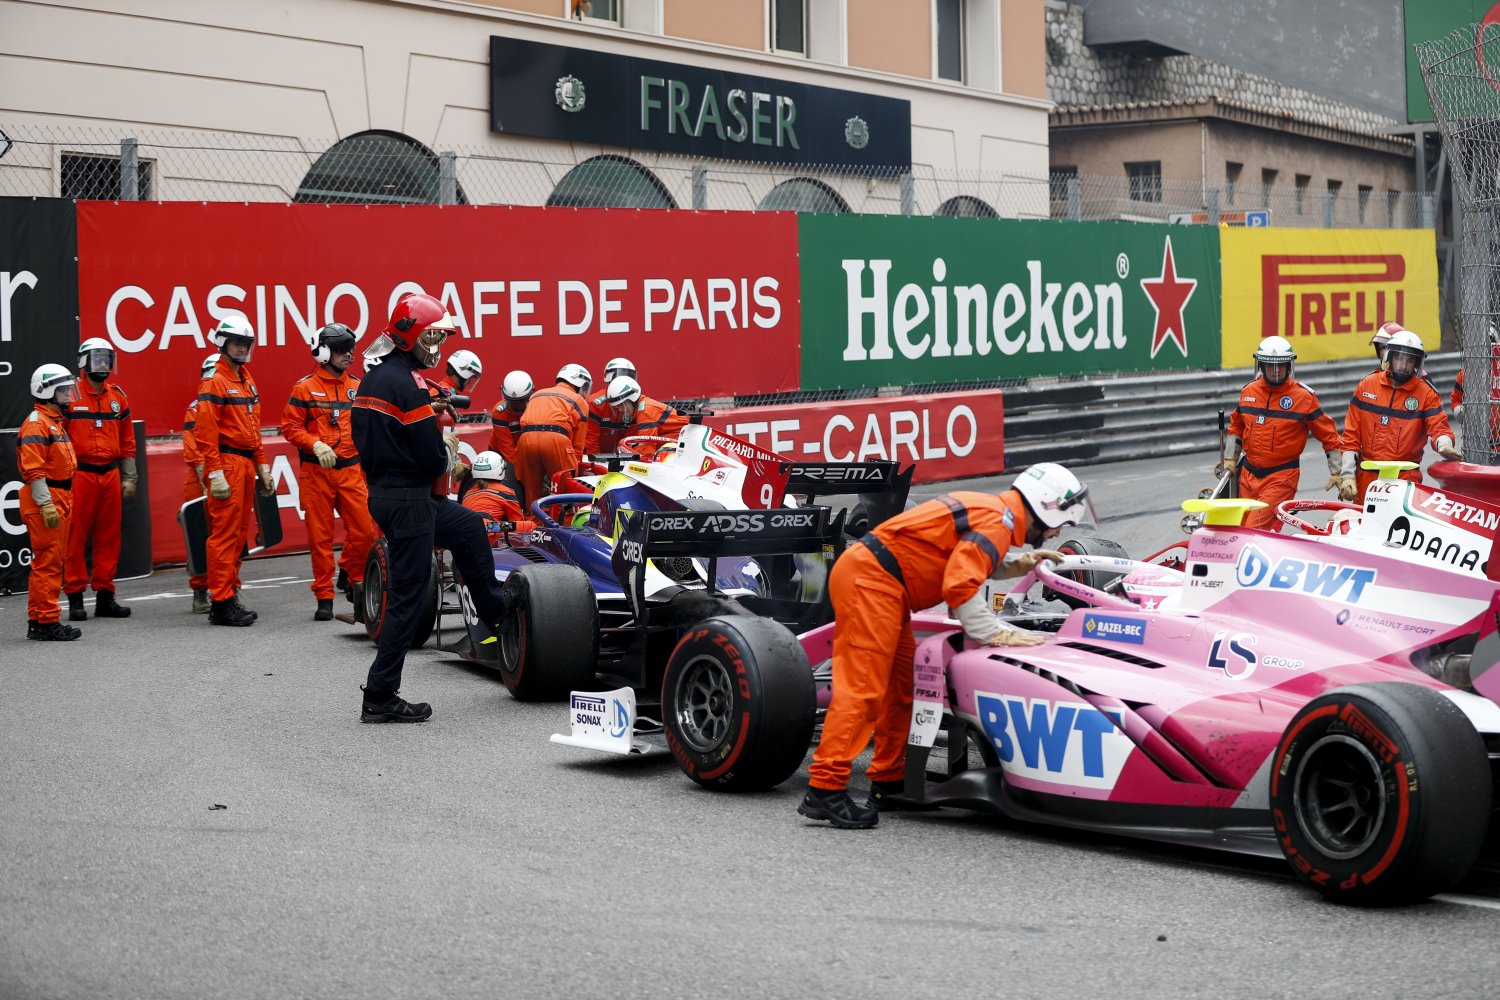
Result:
960,300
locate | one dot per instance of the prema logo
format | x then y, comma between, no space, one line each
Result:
1314,294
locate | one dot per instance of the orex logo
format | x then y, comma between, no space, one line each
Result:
1315,294
1254,570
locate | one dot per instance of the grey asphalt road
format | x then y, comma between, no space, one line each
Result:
195,812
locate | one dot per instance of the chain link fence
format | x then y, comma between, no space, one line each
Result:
49,160
1462,74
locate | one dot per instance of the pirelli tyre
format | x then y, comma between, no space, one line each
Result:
373,595
1380,793
1097,578
738,703
549,645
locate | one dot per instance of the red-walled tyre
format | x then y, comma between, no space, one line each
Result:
1380,793
738,701
374,595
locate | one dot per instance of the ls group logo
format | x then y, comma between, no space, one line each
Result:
1114,629
1067,743
1255,570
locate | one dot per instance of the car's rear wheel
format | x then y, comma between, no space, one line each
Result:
738,701
1380,793
1097,578
549,645
375,595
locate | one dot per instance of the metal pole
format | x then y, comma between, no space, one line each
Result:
1213,206
1075,198
908,195
448,178
1328,210
700,187
130,170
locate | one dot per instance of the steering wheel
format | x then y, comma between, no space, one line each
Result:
1050,573
1286,513
634,441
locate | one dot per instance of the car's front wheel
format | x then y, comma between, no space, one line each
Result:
549,645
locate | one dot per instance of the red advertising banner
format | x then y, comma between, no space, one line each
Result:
949,435
705,304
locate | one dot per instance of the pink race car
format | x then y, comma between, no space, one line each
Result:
1276,694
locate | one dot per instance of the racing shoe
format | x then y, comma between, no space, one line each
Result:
388,706
76,612
325,610
229,613
52,632
235,600
105,606
201,603
839,809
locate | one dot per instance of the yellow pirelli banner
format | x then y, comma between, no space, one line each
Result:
1325,290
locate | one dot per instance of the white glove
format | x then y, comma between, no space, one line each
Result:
1335,464
218,486
1451,453
325,455
1458,410
267,484
1025,562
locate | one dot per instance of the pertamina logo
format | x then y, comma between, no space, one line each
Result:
1312,294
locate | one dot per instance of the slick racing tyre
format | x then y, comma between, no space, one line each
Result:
549,645
373,596
738,702
1380,793
1096,578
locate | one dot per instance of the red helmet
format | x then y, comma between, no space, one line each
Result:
419,324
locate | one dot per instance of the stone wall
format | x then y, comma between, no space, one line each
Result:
1078,75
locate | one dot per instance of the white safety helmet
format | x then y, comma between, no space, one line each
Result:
209,364
1274,351
1054,494
488,465
96,357
577,376
616,367
622,390
517,388
48,379
233,329
1402,346
466,367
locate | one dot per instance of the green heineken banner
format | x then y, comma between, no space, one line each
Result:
915,301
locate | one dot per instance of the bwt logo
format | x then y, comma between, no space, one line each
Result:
1254,570
1317,294
1065,742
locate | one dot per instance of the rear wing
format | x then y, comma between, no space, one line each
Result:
710,534
882,489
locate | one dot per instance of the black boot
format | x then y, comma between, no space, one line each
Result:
235,600
105,605
388,706
838,808
342,583
51,631
229,613
76,612
325,610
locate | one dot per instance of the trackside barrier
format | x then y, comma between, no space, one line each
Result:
1116,420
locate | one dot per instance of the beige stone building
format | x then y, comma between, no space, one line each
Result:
400,100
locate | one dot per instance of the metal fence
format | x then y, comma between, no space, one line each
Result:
50,160
1459,73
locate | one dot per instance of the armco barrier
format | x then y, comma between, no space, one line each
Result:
1114,420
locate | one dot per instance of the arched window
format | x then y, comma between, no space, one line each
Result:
378,168
966,206
610,181
803,194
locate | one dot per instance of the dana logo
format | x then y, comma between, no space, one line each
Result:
1255,571
1114,629
1070,743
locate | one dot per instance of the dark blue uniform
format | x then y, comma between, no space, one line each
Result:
402,450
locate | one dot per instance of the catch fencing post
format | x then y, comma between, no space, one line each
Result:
130,170
700,186
448,178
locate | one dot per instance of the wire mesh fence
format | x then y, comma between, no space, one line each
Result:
1462,75
84,162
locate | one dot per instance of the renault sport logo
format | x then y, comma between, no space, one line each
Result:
1255,571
